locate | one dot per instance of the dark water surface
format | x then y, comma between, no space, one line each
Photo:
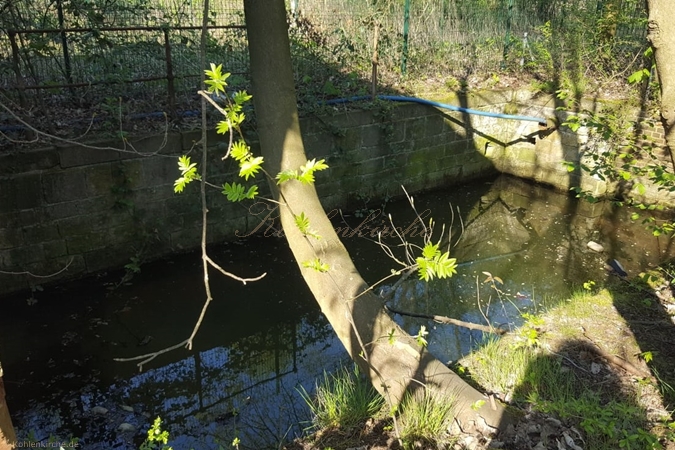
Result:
260,342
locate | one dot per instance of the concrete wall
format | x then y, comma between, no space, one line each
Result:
87,209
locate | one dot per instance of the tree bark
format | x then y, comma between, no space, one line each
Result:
357,316
7,435
661,34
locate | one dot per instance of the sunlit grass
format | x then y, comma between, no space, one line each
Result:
342,400
536,376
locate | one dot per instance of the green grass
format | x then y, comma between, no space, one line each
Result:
342,400
425,419
610,416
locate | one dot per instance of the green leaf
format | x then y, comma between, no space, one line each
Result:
317,265
252,192
433,263
639,76
188,172
302,222
286,175
223,127
478,404
234,191
241,97
250,167
307,171
216,81
429,251
392,336
570,166
421,336
240,150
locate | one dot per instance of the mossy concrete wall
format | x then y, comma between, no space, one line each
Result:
73,210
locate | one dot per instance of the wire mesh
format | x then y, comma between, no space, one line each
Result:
115,61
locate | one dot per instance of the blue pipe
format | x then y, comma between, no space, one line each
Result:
396,98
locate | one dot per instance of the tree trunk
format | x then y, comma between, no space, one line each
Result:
358,318
7,435
662,37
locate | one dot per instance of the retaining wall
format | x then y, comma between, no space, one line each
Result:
75,210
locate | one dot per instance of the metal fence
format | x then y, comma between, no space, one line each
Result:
125,60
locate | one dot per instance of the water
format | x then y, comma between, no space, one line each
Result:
260,342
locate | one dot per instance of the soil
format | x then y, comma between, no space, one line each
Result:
607,351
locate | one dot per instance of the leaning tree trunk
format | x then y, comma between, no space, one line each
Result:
358,318
662,37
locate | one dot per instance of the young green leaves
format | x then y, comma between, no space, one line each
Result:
188,172
317,265
302,222
236,192
216,80
433,263
306,174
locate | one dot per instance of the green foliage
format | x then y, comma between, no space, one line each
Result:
188,171
317,265
478,404
134,265
420,337
216,79
250,166
433,263
306,174
528,333
619,152
342,400
236,192
588,285
302,222
157,438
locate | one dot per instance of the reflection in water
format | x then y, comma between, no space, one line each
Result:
261,341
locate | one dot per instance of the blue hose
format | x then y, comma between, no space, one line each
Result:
396,98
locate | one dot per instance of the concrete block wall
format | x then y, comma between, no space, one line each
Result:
75,210
89,209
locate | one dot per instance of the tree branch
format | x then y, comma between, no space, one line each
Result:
448,320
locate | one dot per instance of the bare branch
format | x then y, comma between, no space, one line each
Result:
448,320
128,147
231,275
4,272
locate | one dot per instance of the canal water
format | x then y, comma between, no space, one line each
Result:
260,342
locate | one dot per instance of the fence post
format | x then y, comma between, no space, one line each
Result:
406,26
16,66
507,38
169,75
64,44
374,73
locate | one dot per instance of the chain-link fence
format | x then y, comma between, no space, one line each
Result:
63,62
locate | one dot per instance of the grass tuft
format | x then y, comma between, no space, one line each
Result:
342,400
425,419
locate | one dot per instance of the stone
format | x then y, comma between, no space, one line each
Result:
598,248
126,427
99,410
